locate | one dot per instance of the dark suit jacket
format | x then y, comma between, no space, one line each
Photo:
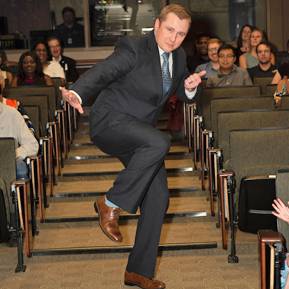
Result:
69,66
129,83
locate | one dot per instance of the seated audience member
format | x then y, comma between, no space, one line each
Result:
30,71
50,68
243,41
282,212
68,64
250,59
265,68
212,66
5,64
41,49
17,105
282,73
228,74
13,125
281,78
200,55
5,76
70,32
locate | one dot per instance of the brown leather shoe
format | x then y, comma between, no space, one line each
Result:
134,279
108,220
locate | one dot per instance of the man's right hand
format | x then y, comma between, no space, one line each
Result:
71,98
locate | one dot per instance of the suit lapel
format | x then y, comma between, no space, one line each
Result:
154,58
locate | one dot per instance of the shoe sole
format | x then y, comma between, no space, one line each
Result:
103,230
130,284
134,284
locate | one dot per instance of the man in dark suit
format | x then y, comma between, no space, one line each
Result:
132,86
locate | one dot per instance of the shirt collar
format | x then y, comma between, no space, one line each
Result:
53,59
232,71
209,65
162,51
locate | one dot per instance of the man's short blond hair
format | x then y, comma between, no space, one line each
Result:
177,9
215,40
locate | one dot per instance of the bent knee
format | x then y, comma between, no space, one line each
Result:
163,143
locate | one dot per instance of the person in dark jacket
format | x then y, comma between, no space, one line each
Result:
130,89
70,32
68,64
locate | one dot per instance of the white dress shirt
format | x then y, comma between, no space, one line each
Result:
54,69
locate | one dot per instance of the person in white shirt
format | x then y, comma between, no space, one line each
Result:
12,124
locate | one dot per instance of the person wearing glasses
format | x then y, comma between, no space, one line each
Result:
212,66
265,68
228,74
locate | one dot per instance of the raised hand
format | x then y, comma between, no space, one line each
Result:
194,80
71,98
281,210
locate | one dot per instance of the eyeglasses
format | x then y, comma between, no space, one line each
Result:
54,46
213,49
229,56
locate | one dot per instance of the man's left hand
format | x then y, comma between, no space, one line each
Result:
194,80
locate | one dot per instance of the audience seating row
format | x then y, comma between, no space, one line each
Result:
54,123
238,118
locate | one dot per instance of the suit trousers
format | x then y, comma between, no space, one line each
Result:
141,184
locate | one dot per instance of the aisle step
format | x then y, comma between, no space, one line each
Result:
93,150
191,206
176,185
79,195
84,140
104,168
74,156
89,234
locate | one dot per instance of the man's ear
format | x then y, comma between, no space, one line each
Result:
157,23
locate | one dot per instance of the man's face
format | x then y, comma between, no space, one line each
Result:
202,45
226,59
171,32
54,47
68,18
213,51
264,54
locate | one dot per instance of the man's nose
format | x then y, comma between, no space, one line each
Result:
173,37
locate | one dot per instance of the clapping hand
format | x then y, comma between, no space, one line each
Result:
194,80
71,98
281,210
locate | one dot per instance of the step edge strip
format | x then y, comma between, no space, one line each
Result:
121,249
194,214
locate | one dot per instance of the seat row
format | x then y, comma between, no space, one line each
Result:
236,133
54,122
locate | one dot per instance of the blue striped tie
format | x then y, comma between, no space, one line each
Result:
167,81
